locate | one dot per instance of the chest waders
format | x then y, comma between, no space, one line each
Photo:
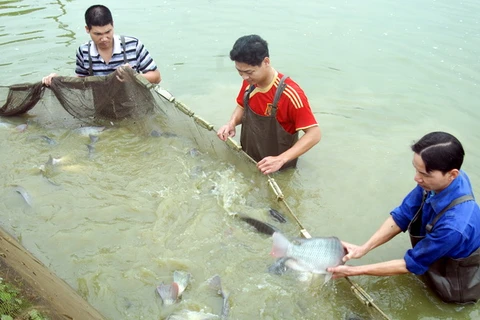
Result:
263,136
454,280
113,102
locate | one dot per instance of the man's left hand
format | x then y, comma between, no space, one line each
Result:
270,164
120,72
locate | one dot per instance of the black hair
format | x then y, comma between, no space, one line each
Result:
98,15
250,49
440,151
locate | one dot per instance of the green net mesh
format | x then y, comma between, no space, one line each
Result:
89,98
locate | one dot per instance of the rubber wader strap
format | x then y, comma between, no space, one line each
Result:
122,38
462,199
246,97
278,93
90,63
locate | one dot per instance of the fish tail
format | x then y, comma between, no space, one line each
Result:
168,293
181,279
280,245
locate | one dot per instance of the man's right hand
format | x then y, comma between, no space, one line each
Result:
225,132
353,251
47,81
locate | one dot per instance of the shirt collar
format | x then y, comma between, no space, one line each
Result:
460,186
117,46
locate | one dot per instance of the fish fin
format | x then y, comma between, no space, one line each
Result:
49,161
278,267
280,245
305,276
20,190
215,282
182,279
21,127
225,306
93,138
296,265
259,225
277,215
168,293
328,276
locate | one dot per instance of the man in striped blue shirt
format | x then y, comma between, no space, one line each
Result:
107,52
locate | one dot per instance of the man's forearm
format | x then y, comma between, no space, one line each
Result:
236,117
387,268
311,137
152,76
387,231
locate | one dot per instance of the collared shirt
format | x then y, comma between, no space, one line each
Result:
455,235
137,55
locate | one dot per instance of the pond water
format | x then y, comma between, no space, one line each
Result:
117,222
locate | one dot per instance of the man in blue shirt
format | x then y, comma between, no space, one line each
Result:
443,221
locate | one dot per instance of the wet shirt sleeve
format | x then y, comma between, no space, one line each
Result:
144,60
300,110
241,93
437,244
80,69
404,213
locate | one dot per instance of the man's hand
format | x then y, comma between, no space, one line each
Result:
353,251
226,131
120,72
47,81
340,271
270,164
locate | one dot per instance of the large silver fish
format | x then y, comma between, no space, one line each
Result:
313,255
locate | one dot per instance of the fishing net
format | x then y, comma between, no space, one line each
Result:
128,96
113,97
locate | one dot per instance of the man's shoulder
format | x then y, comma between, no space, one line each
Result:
291,84
129,39
84,47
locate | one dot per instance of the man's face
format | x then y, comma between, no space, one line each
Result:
434,180
101,36
253,74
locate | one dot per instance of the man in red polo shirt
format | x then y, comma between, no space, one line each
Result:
272,109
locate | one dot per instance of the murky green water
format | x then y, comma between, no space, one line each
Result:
118,222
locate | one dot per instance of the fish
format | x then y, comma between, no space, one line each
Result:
312,255
25,195
192,315
216,283
87,131
91,145
172,292
262,227
155,133
158,133
6,125
21,127
168,293
45,138
277,215
48,167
